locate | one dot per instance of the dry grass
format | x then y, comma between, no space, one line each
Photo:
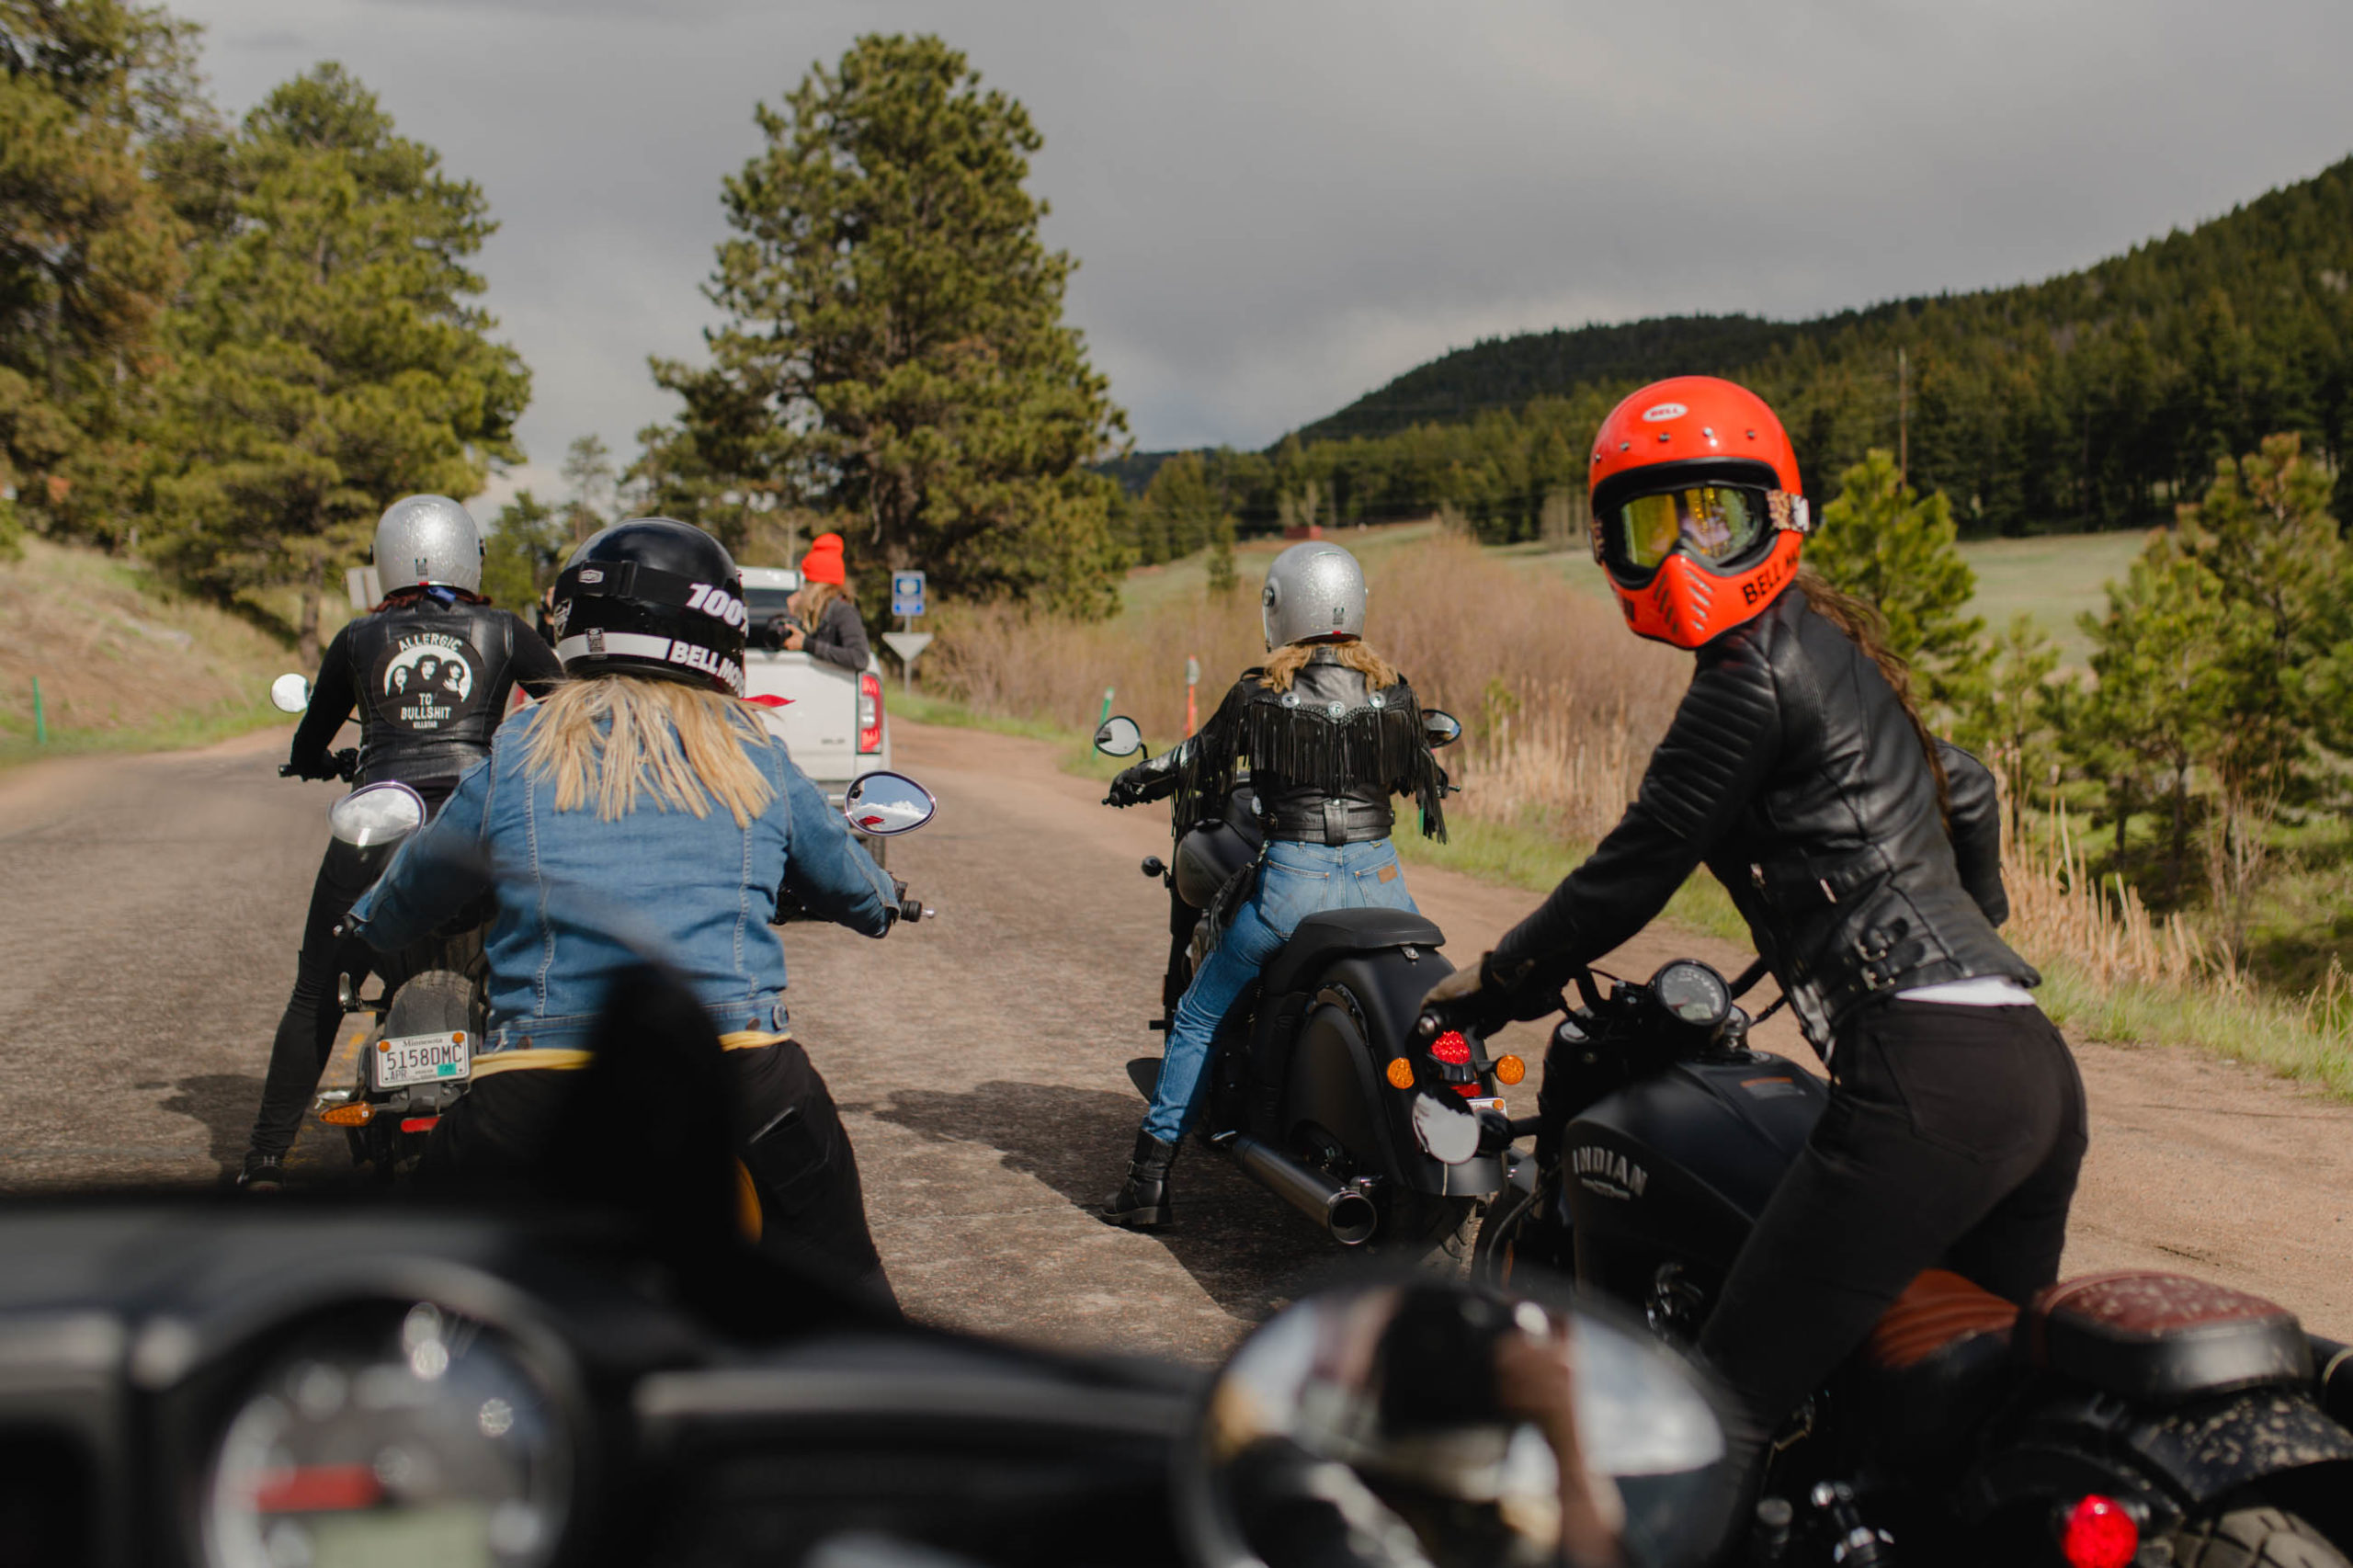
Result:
121,662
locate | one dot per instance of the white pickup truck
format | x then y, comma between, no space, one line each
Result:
832,719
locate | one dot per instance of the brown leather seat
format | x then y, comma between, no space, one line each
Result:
2162,1336
1936,1310
1937,1363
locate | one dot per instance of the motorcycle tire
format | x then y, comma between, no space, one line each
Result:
1429,1232
1499,1227
2257,1536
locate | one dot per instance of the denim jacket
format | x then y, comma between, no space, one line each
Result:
579,898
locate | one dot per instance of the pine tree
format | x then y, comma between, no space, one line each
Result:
1882,542
327,360
895,351
97,97
527,545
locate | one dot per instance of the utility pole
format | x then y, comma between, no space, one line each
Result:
1902,419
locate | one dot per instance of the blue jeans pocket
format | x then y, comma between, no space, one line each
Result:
1289,894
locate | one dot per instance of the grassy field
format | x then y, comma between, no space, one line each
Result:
2054,579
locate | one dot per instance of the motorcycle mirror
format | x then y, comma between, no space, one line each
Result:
1120,737
376,814
289,693
1356,1410
1442,728
879,804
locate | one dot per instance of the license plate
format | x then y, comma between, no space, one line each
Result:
1485,1103
422,1058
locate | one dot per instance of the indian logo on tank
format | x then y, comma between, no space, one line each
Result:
428,681
1608,1172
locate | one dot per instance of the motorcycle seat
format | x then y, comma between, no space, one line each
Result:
2162,1336
1335,933
1938,1361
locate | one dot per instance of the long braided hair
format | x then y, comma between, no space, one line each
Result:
1867,629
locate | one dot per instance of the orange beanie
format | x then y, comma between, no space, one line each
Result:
824,561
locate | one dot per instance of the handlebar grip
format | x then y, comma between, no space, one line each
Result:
286,770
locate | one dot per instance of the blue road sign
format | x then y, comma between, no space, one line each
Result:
906,593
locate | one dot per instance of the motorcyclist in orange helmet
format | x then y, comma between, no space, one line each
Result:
1866,858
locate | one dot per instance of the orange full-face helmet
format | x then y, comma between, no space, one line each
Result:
1697,511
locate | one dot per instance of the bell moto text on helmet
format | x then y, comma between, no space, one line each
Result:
653,598
1697,516
429,540
1315,592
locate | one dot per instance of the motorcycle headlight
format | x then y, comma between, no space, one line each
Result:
377,813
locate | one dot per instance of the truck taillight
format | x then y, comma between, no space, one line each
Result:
869,713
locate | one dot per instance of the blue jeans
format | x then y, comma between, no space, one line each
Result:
1295,880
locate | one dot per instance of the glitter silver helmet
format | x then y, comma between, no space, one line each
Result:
427,538
1314,591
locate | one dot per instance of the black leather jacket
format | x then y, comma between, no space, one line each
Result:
1322,759
431,681
1792,770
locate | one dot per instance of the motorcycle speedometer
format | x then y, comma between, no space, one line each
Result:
1693,993
395,1432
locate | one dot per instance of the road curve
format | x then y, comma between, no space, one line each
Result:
150,908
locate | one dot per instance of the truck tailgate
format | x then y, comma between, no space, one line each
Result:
820,722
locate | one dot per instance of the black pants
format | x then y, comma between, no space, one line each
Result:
306,1031
1952,1139
813,1206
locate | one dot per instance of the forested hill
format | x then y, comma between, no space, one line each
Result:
1505,373
2095,399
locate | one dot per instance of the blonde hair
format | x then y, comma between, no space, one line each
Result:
1284,663
612,737
816,598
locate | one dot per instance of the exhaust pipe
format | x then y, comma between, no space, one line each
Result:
1344,1211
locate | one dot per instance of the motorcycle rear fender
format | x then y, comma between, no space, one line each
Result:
2179,1461
1365,1005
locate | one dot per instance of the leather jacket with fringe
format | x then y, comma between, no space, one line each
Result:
1322,759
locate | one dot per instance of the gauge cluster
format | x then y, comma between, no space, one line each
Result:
391,1432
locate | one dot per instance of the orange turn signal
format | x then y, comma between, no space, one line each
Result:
1510,1069
1401,1074
384,1045
357,1114
458,1038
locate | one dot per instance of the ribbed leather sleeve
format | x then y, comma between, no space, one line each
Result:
1723,744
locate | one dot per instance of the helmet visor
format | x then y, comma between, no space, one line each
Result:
1717,523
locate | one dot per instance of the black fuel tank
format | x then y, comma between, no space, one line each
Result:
1675,1168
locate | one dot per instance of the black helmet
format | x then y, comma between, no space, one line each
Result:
653,598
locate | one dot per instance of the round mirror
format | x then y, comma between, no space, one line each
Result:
289,693
1426,1422
879,804
1120,737
376,814
1442,728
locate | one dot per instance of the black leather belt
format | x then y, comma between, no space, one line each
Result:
1333,821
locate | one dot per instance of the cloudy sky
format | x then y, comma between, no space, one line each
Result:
1281,204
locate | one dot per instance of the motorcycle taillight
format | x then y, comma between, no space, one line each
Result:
2099,1533
869,713
1451,1049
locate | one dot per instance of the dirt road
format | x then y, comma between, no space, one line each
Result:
150,907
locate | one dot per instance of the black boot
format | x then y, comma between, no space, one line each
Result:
1142,1202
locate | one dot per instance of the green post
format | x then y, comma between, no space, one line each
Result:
1107,708
40,719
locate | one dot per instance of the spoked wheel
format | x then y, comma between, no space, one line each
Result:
2257,1537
